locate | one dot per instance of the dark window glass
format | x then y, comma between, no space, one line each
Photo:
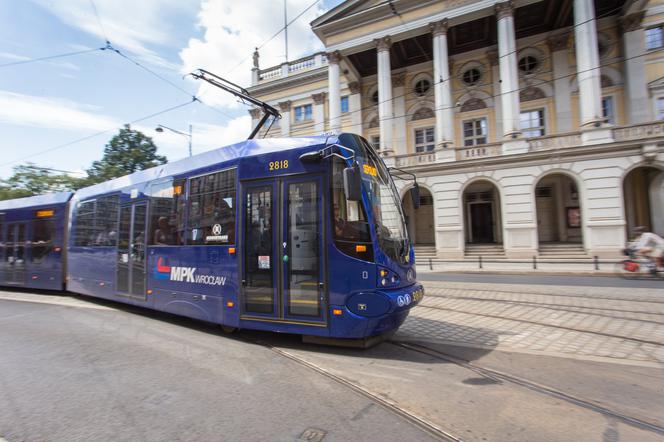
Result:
167,207
212,209
106,221
472,76
43,232
528,64
422,87
259,260
84,229
349,219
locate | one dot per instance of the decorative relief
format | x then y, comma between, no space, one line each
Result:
255,113
505,9
334,57
285,106
383,44
398,80
354,87
558,42
492,56
422,114
531,93
606,81
319,98
439,27
473,104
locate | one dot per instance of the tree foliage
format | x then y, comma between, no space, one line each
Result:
127,152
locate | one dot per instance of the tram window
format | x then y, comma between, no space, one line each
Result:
42,239
212,209
106,221
350,226
85,224
167,208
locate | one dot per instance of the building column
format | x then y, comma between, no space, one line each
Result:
355,106
558,45
284,108
255,116
442,86
399,122
588,74
497,98
385,112
637,100
319,112
334,88
509,75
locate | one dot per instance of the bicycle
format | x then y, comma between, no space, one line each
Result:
638,266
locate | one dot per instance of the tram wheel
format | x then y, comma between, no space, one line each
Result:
228,329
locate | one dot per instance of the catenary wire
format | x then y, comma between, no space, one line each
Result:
51,57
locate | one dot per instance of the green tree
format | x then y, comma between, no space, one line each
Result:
127,152
30,179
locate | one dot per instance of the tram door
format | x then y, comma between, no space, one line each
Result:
131,251
283,262
15,253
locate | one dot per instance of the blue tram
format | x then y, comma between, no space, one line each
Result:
302,235
32,241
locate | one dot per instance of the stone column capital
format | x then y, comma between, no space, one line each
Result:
255,113
504,9
383,43
354,87
632,22
398,80
492,56
558,42
318,98
334,57
285,106
439,27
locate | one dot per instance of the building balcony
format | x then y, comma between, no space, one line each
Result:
286,69
639,132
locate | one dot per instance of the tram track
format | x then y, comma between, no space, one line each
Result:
562,327
500,376
420,422
569,308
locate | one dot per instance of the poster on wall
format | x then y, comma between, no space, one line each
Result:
573,217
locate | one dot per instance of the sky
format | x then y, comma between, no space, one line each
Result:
59,113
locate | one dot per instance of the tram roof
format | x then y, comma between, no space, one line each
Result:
243,149
35,201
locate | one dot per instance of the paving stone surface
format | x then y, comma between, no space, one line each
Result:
587,322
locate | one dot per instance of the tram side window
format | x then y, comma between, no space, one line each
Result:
212,209
106,221
43,231
85,224
167,209
350,225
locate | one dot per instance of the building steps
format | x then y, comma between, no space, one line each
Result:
424,252
490,251
562,250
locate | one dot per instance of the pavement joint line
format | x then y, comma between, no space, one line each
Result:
62,302
492,373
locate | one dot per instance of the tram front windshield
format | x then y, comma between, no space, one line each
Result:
384,200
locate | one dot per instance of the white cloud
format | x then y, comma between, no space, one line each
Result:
233,29
205,137
13,57
51,112
130,25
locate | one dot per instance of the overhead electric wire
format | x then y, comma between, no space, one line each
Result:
51,57
87,137
101,26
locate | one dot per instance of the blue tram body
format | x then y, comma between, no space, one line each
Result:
251,236
32,241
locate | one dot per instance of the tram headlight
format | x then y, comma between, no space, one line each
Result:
383,281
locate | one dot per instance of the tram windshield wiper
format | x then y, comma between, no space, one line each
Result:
243,95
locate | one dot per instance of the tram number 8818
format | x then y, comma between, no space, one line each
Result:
276,165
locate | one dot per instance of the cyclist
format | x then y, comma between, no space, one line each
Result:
649,244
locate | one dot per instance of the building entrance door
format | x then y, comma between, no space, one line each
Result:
482,222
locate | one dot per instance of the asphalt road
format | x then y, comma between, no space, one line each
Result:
87,374
496,278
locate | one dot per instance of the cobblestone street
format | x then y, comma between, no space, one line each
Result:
626,325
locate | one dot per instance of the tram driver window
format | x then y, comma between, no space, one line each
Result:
212,209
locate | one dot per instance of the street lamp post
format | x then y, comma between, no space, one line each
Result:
160,128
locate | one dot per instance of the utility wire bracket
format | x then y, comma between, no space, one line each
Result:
242,94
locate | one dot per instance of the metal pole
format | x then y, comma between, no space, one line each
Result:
189,139
286,28
596,261
534,262
479,260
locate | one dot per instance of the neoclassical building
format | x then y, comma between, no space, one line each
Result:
534,127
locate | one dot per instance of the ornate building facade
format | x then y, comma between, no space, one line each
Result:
534,127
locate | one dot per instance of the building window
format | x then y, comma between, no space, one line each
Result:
471,76
424,140
607,110
422,87
532,123
660,108
212,209
303,113
528,64
344,104
654,38
375,141
474,132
